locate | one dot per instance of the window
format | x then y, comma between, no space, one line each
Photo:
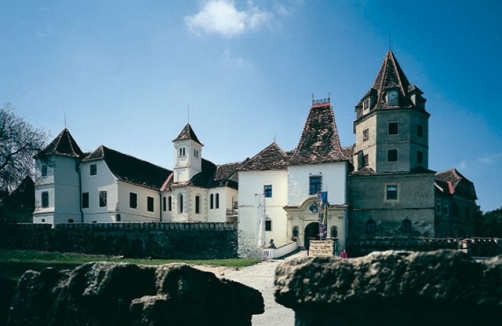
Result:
181,203
406,226
315,184
45,199
392,155
85,200
439,206
43,169
446,208
393,128
150,204
211,201
366,160
102,198
217,201
170,203
195,153
164,203
370,226
118,218
267,190
93,168
420,131
420,157
133,200
366,134
391,192
366,104
182,151
268,224
296,231
197,204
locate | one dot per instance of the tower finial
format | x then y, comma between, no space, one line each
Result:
188,113
390,41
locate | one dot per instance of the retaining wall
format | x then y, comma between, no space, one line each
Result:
191,240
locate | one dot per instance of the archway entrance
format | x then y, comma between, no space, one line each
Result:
311,231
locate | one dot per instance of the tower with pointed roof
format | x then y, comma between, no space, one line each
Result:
57,181
187,155
391,125
391,189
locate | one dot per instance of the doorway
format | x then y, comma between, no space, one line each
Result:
311,231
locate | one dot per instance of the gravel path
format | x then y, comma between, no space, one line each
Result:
261,277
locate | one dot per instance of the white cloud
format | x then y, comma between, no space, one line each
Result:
228,58
222,17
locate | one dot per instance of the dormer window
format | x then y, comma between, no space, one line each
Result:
366,104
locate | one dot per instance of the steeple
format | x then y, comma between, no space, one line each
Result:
187,155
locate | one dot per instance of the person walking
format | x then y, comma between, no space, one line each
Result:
343,254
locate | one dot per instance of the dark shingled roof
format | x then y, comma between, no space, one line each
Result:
211,176
188,134
319,142
63,144
453,182
389,76
130,169
270,158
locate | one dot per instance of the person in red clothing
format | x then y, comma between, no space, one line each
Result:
343,254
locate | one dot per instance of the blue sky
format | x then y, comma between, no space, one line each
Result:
124,73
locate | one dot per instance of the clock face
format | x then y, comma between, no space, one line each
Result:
393,95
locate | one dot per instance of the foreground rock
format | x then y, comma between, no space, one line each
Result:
443,287
127,294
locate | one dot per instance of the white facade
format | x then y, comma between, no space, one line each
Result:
261,218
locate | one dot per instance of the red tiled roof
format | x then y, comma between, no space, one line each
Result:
456,183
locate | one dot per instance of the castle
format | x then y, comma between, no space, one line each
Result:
381,186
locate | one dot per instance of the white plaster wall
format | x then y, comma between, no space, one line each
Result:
334,181
140,213
250,184
104,180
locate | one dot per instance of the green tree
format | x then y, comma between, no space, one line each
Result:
490,224
19,142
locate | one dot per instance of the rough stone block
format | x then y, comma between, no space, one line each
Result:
444,287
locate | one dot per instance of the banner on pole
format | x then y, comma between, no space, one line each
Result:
322,203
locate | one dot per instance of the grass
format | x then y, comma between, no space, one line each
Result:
13,263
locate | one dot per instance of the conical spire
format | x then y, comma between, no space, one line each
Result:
390,75
188,134
63,144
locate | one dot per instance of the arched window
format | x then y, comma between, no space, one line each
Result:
197,204
217,201
334,232
180,202
406,226
296,231
211,201
371,226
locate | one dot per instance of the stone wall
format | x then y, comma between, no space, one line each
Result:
155,240
124,294
444,287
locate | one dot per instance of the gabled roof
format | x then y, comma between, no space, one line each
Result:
130,169
188,134
227,172
454,183
271,157
63,144
319,142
